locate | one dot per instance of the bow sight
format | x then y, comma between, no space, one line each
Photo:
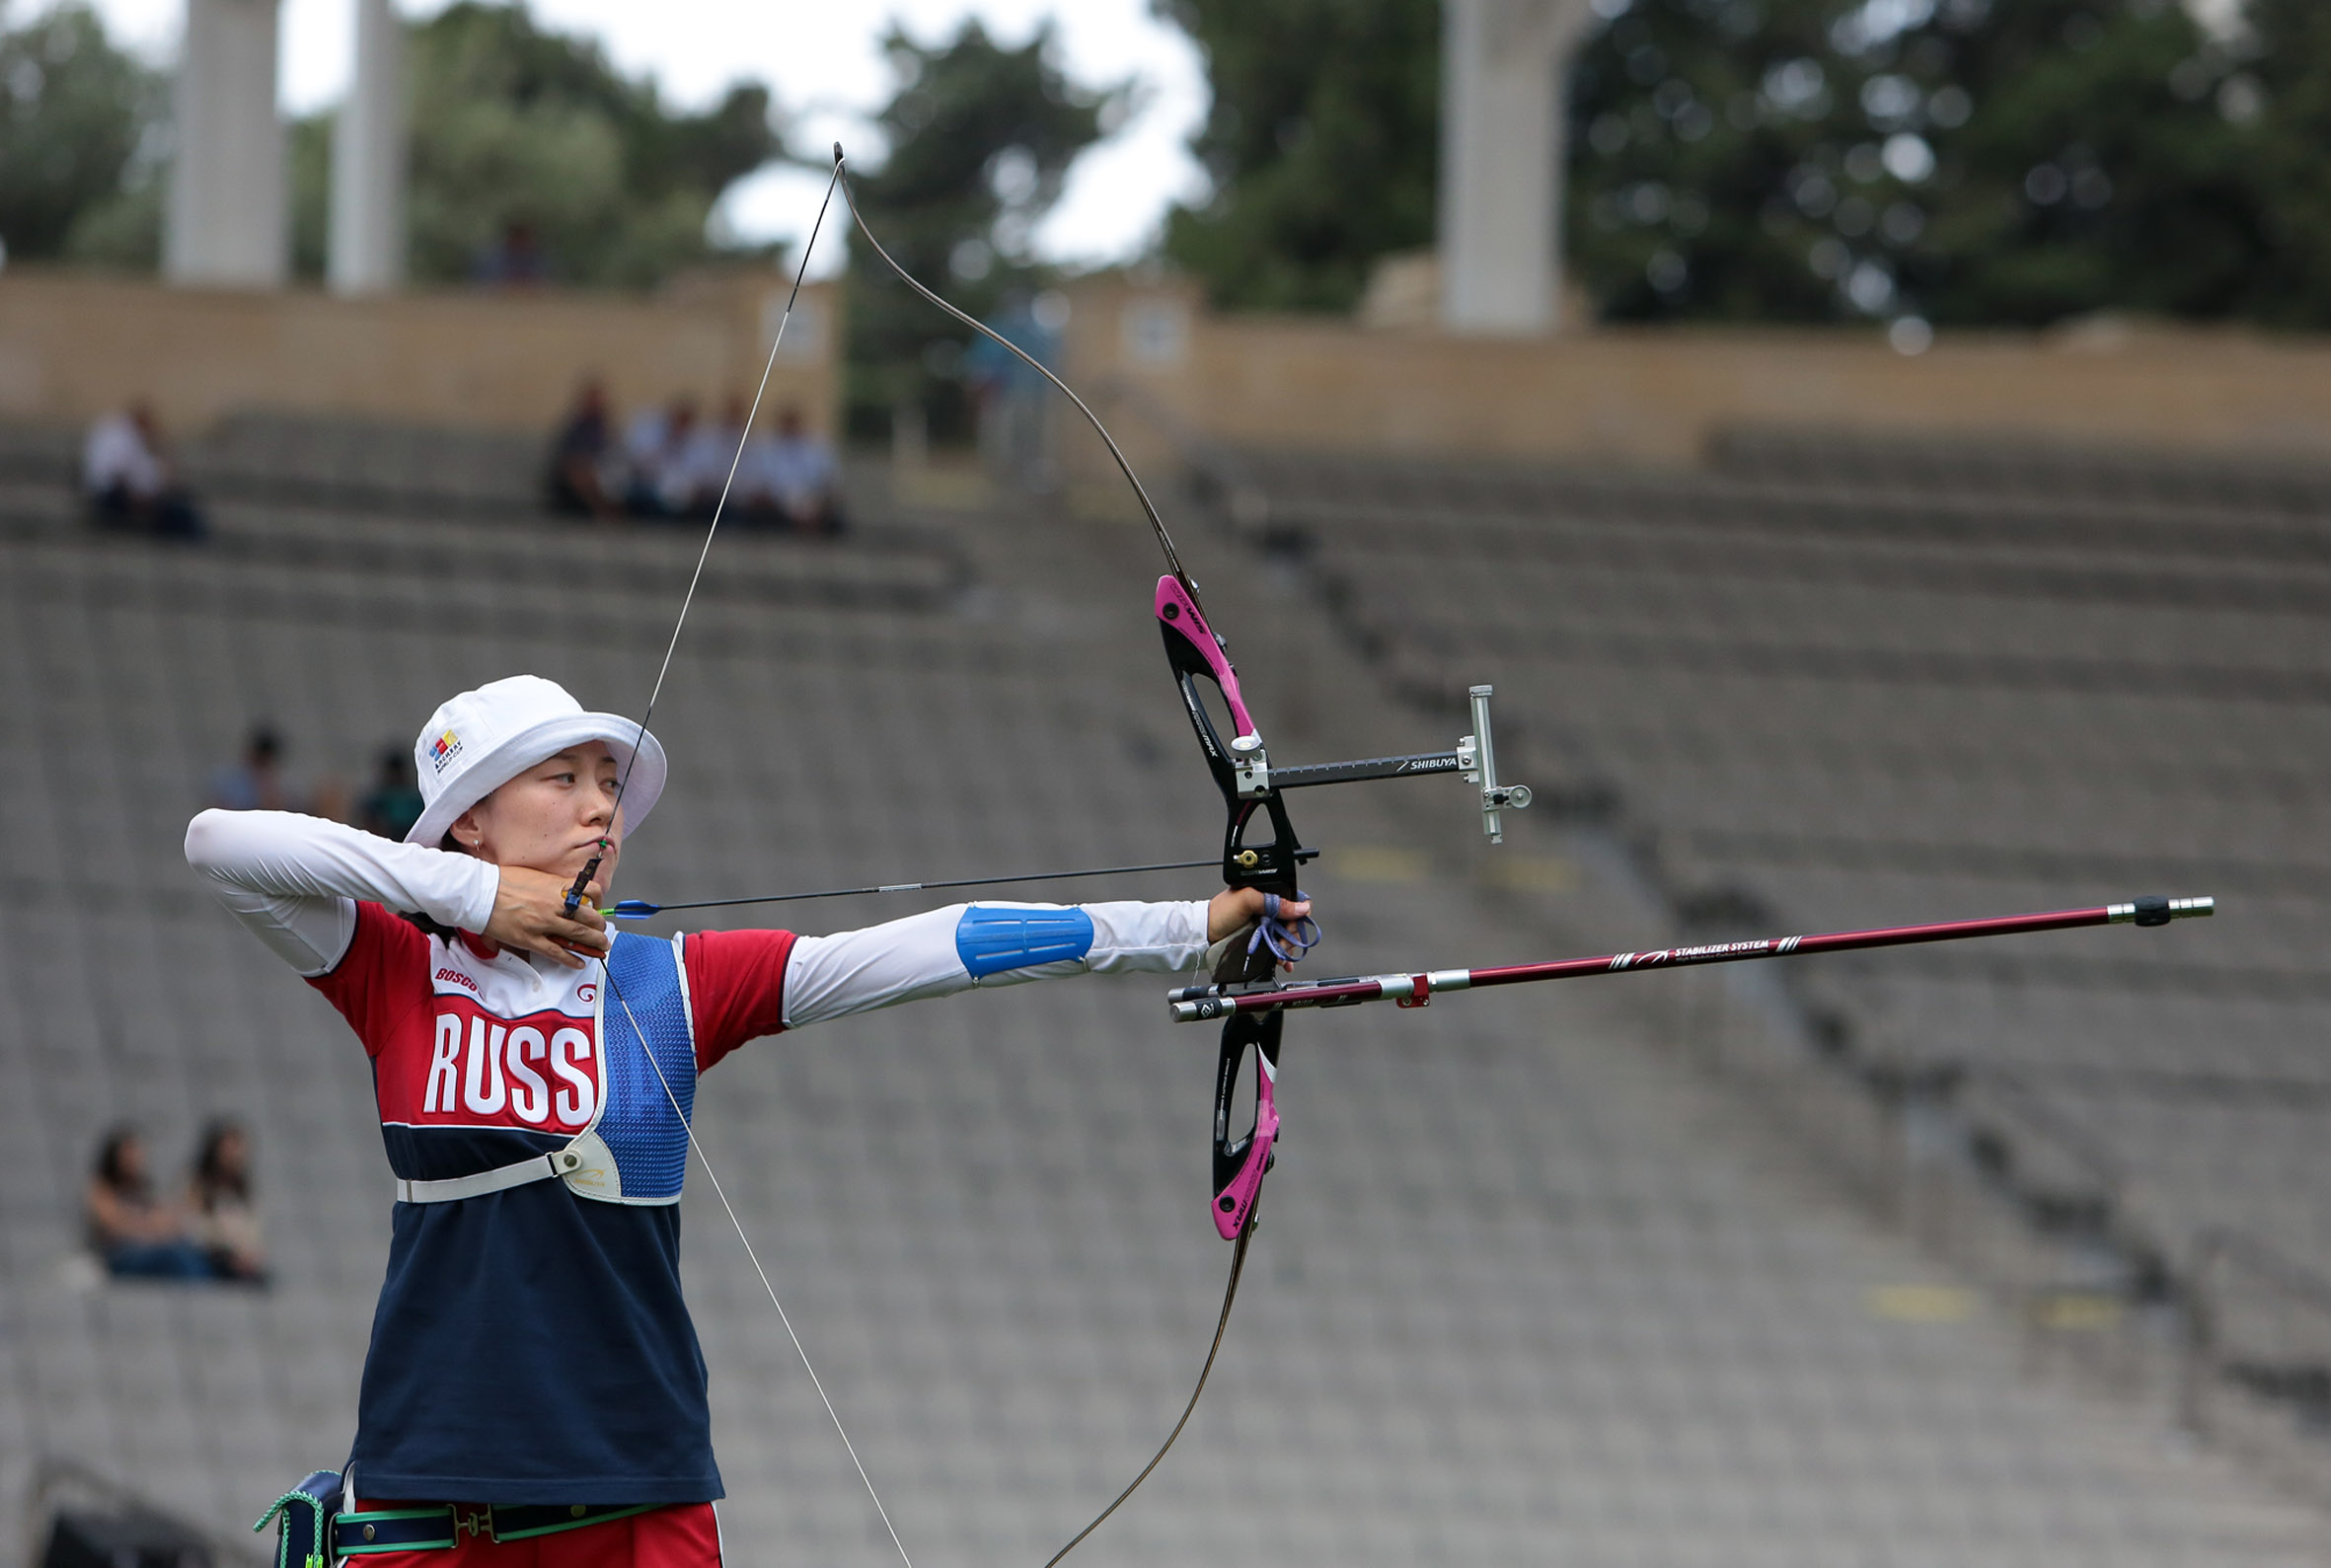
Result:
1241,767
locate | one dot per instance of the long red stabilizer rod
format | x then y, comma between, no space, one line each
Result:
1198,1004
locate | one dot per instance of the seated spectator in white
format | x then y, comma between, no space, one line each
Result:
134,1234
225,1222
793,478
646,435
753,500
672,478
700,464
125,474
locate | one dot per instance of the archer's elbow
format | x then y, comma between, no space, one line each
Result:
207,838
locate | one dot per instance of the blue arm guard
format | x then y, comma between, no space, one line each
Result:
991,938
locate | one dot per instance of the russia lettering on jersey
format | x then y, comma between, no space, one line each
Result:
505,1049
504,1072
564,1315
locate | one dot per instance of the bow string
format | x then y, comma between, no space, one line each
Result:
582,880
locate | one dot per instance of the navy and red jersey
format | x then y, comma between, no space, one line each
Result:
531,1346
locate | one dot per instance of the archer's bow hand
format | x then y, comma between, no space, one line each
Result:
1252,918
530,913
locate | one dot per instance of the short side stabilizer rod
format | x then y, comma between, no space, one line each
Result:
1199,1003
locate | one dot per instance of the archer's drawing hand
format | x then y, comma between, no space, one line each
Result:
530,913
1237,911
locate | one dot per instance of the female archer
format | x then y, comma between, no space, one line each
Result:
533,1390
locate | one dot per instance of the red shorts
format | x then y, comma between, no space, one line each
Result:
683,1535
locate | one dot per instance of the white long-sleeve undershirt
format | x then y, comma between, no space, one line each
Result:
295,881
915,958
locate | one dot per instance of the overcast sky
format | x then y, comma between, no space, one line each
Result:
822,62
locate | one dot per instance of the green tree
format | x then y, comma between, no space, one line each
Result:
1322,142
2281,76
513,126
980,138
1702,136
75,114
1964,161
518,128
2005,162
2094,166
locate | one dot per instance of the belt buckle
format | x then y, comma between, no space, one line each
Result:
480,1521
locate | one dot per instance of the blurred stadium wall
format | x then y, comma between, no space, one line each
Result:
1661,395
72,348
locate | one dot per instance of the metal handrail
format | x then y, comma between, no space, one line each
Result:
2032,1108
2286,1274
2216,1246
55,1473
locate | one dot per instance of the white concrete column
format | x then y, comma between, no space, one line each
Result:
368,168
228,205
1502,67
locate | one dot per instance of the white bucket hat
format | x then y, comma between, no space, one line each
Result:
483,739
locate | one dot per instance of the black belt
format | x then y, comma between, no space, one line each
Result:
444,1525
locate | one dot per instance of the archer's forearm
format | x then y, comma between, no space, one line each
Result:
945,950
294,881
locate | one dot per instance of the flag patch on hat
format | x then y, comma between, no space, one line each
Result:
443,750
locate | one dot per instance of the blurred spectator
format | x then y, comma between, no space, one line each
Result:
126,474
789,479
698,465
135,1235
225,1221
677,466
580,455
393,803
754,500
515,261
1014,400
257,783
654,445
645,436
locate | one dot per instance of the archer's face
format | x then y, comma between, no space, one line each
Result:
551,817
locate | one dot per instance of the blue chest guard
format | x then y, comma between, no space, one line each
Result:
642,1156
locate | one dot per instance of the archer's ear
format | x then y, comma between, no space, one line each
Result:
462,837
